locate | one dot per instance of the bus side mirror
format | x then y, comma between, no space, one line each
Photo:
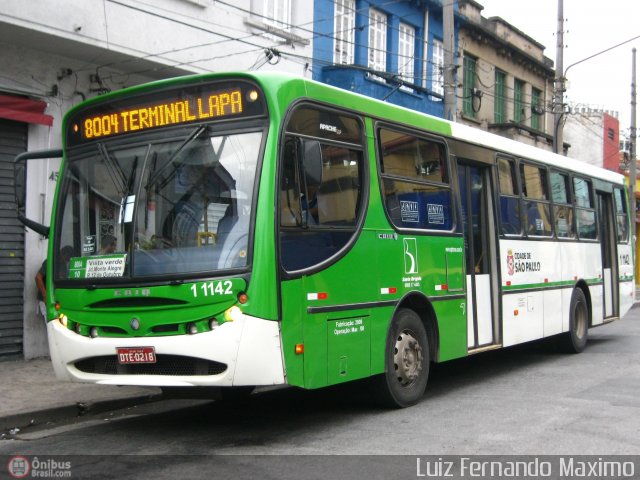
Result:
20,187
312,162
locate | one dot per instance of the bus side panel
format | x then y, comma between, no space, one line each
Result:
627,285
292,331
528,267
553,312
583,262
597,302
523,317
452,329
586,263
556,310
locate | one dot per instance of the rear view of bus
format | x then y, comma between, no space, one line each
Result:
154,224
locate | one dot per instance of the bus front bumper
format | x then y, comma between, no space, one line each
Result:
246,351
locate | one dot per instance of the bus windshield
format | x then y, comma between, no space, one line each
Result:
162,207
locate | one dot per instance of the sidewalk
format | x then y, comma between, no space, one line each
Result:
31,393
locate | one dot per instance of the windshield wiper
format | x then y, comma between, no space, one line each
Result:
196,133
113,168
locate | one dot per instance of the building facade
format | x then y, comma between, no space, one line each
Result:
392,51
506,82
594,135
56,54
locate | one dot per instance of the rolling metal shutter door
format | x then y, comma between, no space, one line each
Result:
13,140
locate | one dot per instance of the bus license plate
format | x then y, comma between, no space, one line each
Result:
128,355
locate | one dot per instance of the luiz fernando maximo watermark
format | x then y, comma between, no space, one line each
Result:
532,467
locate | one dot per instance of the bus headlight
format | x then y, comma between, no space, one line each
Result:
233,314
63,320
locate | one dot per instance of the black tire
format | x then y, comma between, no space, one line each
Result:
406,362
575,339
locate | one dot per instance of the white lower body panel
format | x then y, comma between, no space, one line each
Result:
249,346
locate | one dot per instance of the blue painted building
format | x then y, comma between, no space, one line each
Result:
386,50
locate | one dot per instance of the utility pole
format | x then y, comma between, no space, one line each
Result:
558,87
632,143
449,74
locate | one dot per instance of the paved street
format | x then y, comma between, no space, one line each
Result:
525,400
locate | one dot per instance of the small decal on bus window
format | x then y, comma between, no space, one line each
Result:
89,245
330,128
435,214
409,211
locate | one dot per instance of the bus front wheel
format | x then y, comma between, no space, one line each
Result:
575,339
406,362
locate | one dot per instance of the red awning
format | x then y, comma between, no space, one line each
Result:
24,110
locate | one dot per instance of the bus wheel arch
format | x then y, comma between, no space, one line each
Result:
575,340
582,285
408,354
423,307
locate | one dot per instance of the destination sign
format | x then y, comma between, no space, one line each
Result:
183,105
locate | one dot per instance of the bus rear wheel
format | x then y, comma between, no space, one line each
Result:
406,362
575,339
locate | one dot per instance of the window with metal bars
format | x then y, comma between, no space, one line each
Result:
406,52
518,101
499,109
377,40
437,78
344,32
468,85
536,108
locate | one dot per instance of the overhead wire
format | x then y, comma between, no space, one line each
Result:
240,39
308,61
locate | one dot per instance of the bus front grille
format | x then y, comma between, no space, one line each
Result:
176,365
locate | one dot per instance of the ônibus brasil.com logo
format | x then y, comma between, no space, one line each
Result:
21,467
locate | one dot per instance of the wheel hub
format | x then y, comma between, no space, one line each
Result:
407,358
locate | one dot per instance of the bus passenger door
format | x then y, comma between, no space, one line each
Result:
608,245
476,197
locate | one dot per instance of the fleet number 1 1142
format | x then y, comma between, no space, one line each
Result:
210,289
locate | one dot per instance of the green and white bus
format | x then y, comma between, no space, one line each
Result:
241,230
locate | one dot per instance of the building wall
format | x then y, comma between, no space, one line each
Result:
584,131
417,93
611,142
65,51
497,45
594,136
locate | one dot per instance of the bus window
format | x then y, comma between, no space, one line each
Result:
536,200
318,216
562,209
585,210
510,223
621,216
415,181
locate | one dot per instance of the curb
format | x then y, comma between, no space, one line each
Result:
39,417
